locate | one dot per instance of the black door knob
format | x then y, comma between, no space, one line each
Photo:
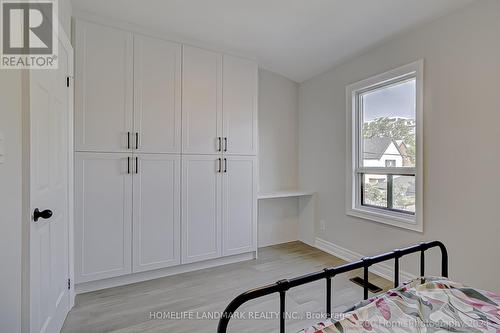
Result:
45,214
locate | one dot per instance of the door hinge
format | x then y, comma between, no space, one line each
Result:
69,284
67,81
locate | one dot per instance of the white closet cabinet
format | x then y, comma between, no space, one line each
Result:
201,207
166,145
239,106
157,96
156,211
219,197
103,216
201,101
239,204
103,87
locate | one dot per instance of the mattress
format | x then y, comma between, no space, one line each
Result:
431,304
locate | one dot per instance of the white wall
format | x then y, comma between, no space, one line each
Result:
462,155
65,12
278,157
10,201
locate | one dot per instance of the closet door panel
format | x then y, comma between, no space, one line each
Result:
103,212
156,221
103,87
240,106
239,202
201,101
156,217
157,95
201,204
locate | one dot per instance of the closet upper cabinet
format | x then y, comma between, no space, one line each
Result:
239,106
103,88
201,101
157,96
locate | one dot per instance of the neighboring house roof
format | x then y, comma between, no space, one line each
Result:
374,148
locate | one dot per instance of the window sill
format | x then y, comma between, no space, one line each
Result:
394,219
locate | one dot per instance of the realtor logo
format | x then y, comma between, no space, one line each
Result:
29,34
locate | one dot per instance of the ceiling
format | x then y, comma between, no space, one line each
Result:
295,38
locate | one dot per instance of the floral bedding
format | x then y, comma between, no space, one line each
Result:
423,305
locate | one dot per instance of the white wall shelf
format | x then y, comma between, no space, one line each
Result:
284,194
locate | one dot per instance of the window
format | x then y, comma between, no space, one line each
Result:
384,180
390,163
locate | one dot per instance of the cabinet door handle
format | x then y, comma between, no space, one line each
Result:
219,147
128,140
136,165
136,140
225,165
128,165
225,143
220,165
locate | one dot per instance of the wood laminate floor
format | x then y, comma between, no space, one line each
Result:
132,308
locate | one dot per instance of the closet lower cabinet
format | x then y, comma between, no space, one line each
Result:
103,216
219,206
156,211
239,204
201,207
127,214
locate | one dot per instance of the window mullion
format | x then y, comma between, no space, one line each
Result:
390,203
362,193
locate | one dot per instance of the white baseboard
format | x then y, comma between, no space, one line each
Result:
159,273
383,270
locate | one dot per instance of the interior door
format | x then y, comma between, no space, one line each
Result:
239,204
103,215
49,160
201,101
156,221
201,205
157,95
103,88
240,106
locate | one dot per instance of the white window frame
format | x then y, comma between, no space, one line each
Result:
353,186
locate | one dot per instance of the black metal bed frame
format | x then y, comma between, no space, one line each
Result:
283,286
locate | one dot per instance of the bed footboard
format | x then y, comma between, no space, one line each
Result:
283,286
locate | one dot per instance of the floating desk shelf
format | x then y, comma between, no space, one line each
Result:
283,194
